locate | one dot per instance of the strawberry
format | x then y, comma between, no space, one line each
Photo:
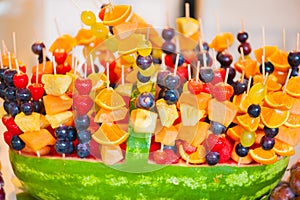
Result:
219,76
83,86
222,92
37,91
7,137
186,146
219,144
82,104
10,125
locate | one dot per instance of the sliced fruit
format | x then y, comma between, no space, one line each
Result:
293,86
280,60
190,115
56,104
110,134
109,99
288,135
167,136
269,51
235,132
201,133
295,109
56,84
59,118
279,100
222,41
167,113
37,140
273,118
240,160
124,89
271,83
283,149
194,158
65,41
106,116
28,122
189,29
249,123
111,154
199,101
143,121
124,29
293,121
248,66
263,156
222,112
116,14
85,36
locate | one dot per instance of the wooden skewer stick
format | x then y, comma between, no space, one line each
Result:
167,20
176,64
263,40
75,65
107,74
215,59
92,63
17,66
189,72
242,76
263,66
204,59
242,54
162,147
297,42
187,10
217,24
148,33
44,59
85,70
163,55
122,75
37,71
283,39
198,71
14,43
38,154
79,8
9,60
54,65
201,28
1,61
266,78
57,27
243,25
286,81
4,48
226,75
249,84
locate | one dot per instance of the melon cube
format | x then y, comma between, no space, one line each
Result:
37,140
190,115
111,154
56,104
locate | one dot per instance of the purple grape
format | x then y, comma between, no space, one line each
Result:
84,136
8,77
225,59
2,193
217,128
27,108
82,122
172,81
168,33
142,79
294,58
246,48
83,150
17,143
144,62
242,37
72,133
201,58
212,158
145,100
13,108
61,132
38,106
254,110
160,79
64,146
241,150
240,87
206,74
267,143
37,47
168,47
270,132
23,94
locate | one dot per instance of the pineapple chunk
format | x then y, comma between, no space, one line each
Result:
28,122
60,118
190,115
37,140
111,154
124,89
143,121
56,84
167,113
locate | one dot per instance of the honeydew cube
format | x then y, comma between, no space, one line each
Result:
143,121
167,113
190,115
28,122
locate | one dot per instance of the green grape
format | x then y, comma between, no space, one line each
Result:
88,17
257,93
100,30
247,138
144,48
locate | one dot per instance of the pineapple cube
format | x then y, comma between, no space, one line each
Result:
59,118
28,122
190,115
124,89
56,84
111,154
167,113
143,121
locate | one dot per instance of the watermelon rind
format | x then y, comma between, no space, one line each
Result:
56,178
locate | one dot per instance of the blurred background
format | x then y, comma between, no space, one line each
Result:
33,20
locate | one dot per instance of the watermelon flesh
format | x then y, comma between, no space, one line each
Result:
56,178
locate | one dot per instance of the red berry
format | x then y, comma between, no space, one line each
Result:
219,76
102,13
195,86
160,157
222,92
37,91
219,144
63,68
33,78
10,125
60,55
182,72
82,104
187,147
20,80
83,86
7,137
169,60
22,68
172,157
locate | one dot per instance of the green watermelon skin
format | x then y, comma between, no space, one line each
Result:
57,178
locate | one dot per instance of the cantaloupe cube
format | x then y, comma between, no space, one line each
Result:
56,104
37,140
167,136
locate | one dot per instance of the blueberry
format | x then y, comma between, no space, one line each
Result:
6,106
23,94
144,62
294,58
8,77
241,150
145,100
2,90
17,143
231,73
27,108
160,79
171,96
61,132
82,122
240,87
295,72
13,108
84,136
212,158
217,128
72,133
64,146
2,70
180,60
172,81
83,150
38,106
254,110
270,132
10,93
267,143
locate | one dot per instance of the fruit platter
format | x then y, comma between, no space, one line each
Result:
150,113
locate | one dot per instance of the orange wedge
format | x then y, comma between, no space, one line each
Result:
109,99
110,133
259,135
279,100
271,83
85,36
241,160
65,41
283,149
222,41
288,135
269,51
248,66
249,123
116,14
280,60
295,109
194,158
235,132
273,118
109,116
293,86
293,121
262,156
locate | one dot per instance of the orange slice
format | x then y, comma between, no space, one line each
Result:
242,102
241,160
194,158
109,99
263,156
283,149
222,41
280,60
85,36
269,51
293,86
273,118
293,121
235,132
249,123
279,100
109,116
116,14
271,83
259,135
110,133
248,66
65,41
295,109
288,135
